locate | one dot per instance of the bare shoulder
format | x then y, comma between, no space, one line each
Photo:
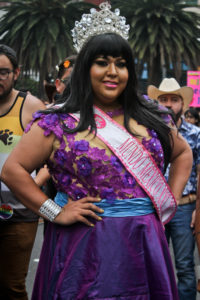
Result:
31,105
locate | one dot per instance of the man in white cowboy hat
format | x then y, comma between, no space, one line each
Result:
180,228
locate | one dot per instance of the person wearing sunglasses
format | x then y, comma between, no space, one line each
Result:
54,88
64,70
54,92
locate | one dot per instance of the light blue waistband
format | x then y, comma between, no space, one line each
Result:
117,208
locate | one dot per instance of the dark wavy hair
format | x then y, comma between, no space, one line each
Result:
194,113
79,94
11,55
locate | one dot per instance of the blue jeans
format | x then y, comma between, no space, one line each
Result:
183,242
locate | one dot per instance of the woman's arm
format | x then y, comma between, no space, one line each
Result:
180,165
30,153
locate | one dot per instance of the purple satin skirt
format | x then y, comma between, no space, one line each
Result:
123,258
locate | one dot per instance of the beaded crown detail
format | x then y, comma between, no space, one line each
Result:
98,22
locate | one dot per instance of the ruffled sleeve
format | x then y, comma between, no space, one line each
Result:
52,123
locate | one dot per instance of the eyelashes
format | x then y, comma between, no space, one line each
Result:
104,63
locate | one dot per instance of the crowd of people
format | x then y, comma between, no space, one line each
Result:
117,176
180,228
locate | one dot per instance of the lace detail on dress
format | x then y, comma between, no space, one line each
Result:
79,167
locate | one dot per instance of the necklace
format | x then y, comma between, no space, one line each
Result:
114,113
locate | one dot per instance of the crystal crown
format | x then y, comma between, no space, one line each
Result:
98,22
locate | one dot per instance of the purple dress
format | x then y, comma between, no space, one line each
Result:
120,257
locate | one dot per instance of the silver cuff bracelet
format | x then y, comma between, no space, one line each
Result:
50,209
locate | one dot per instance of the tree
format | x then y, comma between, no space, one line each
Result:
39,31
162,33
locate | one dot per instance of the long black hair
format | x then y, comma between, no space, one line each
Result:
79,95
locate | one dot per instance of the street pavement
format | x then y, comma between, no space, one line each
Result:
36,254
34,259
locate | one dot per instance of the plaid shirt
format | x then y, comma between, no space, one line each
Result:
192,135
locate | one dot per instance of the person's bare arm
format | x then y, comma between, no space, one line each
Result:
42,176
31,105
30,153
181,165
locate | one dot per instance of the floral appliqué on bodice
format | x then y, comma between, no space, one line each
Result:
82,165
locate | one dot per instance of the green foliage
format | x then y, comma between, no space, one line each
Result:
39,31
162,33
25,83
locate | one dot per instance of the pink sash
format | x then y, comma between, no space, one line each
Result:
138,161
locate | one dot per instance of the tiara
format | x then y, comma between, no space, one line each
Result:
98,22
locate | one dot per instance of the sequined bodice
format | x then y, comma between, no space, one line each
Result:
82,165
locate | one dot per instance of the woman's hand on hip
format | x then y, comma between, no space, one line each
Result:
79,211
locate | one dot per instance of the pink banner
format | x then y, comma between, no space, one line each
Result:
193,80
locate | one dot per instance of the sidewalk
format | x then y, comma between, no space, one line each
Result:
34,258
